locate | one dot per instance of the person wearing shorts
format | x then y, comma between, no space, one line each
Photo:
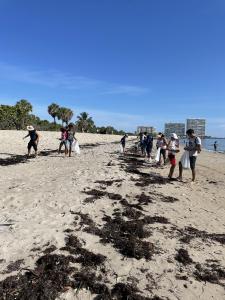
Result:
162,144
63,140
149,146
173,148
194,148
70,137
123,142
34,139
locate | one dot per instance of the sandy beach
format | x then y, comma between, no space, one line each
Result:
104,226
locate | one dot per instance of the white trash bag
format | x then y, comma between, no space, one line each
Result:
185,160
157,157
76,147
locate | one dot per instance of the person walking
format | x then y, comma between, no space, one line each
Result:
194,148
123,142
34,139
215,146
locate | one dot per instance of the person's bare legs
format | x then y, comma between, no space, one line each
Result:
60,148
180,177
171,171
193,175
70,150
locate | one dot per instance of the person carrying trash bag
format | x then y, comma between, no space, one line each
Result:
161,146
70,137
192,149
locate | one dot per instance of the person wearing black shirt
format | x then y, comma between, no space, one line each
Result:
34,139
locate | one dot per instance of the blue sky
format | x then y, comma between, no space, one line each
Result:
126,62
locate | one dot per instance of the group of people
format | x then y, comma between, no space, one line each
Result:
168,149
67,139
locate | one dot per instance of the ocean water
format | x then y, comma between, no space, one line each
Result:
208,144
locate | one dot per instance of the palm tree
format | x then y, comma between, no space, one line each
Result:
68,116
23,108
65,115
53,110
84,122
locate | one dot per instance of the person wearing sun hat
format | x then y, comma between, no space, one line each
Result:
173,148
34,139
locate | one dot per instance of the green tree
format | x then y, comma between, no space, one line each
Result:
8,118
53,110
84,122
23,108
65,115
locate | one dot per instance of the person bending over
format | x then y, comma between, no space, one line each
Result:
34,139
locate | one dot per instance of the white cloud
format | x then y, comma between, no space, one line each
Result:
57,79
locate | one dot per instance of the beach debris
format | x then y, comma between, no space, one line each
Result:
109,182
126,236
190,233
127,291
84,257
210,273
183,257
13,266
97,194
50,250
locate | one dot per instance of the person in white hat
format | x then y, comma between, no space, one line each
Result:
34,139
173,148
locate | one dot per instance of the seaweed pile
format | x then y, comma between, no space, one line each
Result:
55,274
126,236
190,233
183,257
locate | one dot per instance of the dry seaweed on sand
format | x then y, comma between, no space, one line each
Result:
190,233
49,278
211,273
83,256
98,194
13,266
183,257
144,199
126,291
109,182
86,279
126,236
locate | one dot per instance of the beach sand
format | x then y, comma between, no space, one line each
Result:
123,227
